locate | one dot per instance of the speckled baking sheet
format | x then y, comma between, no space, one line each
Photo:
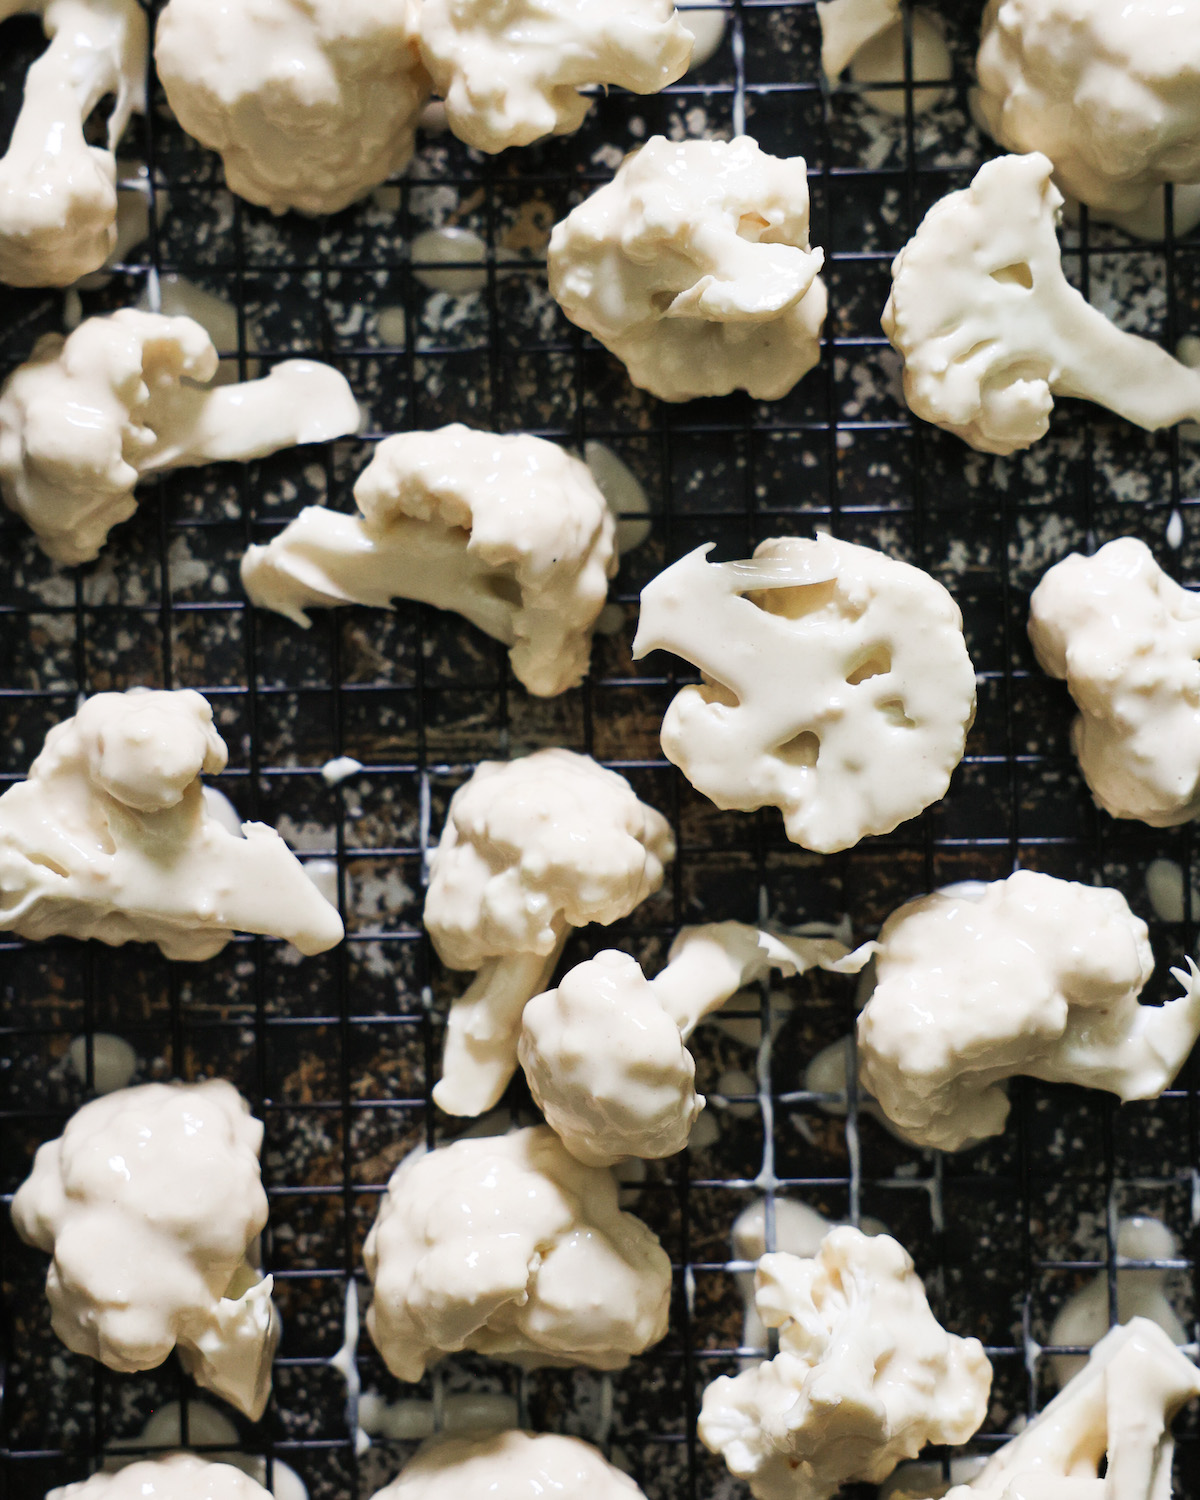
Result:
337,1053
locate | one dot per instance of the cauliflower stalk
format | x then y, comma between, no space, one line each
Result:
510,1247
58,195
510,1465
510,532
865,1374
531,849
991,330
604,1053
150,1204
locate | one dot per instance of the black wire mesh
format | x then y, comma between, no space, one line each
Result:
338,1054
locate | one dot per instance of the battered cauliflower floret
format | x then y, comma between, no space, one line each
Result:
865,1374
1108,90
1031,975
179,1476
991,330
508,1465
693,266
508,1246
510,532
1126,638
310,103
868,37
531,849
58,195
510,71
150,1203
837,685
605,1053
110,837
128,395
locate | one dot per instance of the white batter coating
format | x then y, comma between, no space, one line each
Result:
179,1476
509,1465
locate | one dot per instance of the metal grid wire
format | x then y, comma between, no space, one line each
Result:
338,1054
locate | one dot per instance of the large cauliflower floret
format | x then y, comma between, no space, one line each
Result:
531,849
1126,639
179,1476
693,267
310,103
508,1246
150,1203
991,330
865,1374
110,837
1108,90
58,195
1028,975
605,1053
510,71
510,532
837,685
508,1465
129,395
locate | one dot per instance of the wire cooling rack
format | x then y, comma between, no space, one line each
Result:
338,1054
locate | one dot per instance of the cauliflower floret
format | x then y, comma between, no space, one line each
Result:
837,684
1030,975
127,395
510,71
604,1053
58,195
510,532
179,1476
991,330
865,1374
110,837
310,103
508,1465
1108,90
508,1246
693,267
531,848
1126,638
150,1203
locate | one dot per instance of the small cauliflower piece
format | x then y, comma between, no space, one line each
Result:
605,1054
1031,975
58,195
310,103
1126,637
837,685
693,266
991,330
510,1247
510,71
510,532
110,837
150,1203
865,1374
128,395
510,1465
179,1476
531,849
867,36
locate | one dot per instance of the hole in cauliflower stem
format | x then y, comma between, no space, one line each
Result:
751,226
503,587
892,709
796,603
1018,274
877,664
802,750
661,301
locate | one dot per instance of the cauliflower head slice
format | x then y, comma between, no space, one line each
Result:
310,103
510,1247
693,266
508,1465
865,1374
511,71
110,837
1109,91
531,849
511,532
58,195
129,395
150,1203
1029,975
1126,637
178,1476
837,685
991,331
